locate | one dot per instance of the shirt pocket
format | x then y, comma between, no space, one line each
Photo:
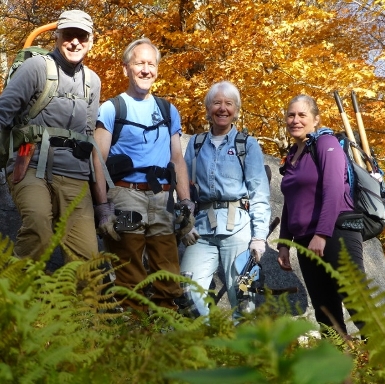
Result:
230,166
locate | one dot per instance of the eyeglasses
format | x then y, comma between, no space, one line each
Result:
71,34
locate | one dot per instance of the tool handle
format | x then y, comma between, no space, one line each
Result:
361,130
348,129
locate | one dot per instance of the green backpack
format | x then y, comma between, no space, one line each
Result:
11,139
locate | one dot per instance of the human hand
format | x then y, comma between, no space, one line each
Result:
257,249
191,237
284,259
105,213
317,245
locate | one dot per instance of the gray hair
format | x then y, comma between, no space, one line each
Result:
229,90
311,103
128,52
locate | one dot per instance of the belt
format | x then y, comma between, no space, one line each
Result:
140,186
220,204
230,205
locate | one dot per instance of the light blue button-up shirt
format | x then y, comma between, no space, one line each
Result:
220,178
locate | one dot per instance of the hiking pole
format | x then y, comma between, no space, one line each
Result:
361,131
348,129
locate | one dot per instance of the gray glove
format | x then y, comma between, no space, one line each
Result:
191,237
105,213
189,204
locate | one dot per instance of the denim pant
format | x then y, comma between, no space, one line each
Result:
202,260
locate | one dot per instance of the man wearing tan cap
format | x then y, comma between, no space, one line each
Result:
56,173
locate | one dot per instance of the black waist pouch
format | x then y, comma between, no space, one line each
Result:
82,149
350,220
119,166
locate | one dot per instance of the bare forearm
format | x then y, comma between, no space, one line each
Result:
182,187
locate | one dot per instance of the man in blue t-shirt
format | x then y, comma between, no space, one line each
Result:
145,191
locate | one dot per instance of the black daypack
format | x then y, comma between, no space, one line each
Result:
239,144
121,165
121,113
368,193
240,151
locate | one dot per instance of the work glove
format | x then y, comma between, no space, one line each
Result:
105,214
191,237
184,224
257,249
189,204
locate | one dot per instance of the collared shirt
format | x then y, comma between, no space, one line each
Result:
220,178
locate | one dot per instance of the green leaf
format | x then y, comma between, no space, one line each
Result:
322,365
238,375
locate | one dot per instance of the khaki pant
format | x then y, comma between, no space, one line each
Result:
41,204
157,238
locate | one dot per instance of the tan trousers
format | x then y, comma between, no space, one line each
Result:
41,204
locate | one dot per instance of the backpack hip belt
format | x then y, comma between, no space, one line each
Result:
230,205
40,134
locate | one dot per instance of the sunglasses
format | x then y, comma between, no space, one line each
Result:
69,35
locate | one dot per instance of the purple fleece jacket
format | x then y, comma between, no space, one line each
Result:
314,195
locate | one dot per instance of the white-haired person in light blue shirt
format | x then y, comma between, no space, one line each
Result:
234,210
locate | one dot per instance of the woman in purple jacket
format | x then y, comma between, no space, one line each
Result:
316,204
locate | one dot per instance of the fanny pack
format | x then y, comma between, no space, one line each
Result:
350,220
80,149
119,166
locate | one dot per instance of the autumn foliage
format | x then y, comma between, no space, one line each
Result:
271,49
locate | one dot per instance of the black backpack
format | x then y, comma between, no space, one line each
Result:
121,165
121,113
367,193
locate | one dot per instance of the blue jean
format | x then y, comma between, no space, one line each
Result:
202,260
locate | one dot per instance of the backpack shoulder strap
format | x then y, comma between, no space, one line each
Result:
165,109
240,149
198,142
120,117
87,84
49,90
121,114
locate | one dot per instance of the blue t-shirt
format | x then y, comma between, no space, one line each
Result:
145,147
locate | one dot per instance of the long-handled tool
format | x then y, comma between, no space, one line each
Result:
348,129
361,130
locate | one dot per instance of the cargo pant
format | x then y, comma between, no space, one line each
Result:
41,204
158,241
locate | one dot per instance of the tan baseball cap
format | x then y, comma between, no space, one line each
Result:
75,19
